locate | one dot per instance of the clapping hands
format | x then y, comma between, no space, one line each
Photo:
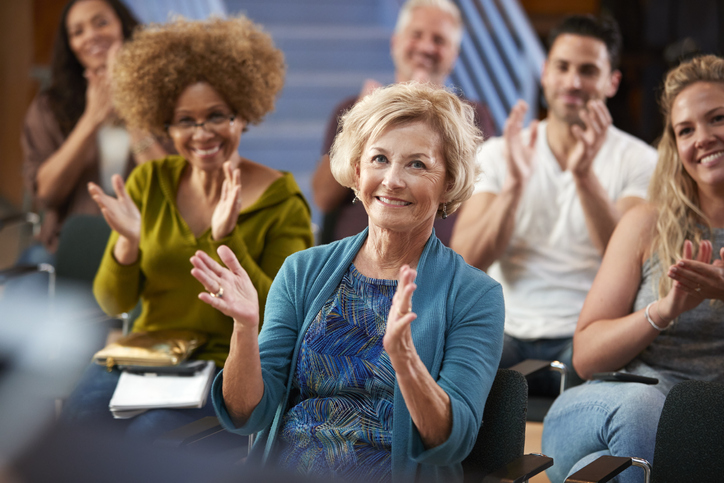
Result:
228,289
596,120
695,280
519,155
120,212
398,336
226,213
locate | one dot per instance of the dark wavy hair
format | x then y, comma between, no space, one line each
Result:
66,92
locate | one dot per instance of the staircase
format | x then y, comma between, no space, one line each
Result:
331,47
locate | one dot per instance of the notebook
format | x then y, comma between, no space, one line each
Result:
136,393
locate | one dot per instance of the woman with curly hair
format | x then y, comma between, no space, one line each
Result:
200,83
71,134
655,308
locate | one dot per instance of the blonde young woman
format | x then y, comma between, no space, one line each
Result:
655,308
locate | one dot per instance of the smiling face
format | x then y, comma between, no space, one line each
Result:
206,147
426,48
401,178
577,70
93,27
697,118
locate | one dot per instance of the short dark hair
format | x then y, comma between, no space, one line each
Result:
604,29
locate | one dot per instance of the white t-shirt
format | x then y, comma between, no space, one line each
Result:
551,262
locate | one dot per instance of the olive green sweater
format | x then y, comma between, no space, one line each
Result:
276,226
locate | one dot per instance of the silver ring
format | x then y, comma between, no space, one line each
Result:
698,289
218,294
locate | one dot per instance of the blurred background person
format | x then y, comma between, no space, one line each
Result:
424,48
551,194
200,83
72,135
389,321
656,307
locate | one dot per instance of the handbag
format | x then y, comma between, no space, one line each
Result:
156,348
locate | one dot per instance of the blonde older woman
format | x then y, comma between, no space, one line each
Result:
378,351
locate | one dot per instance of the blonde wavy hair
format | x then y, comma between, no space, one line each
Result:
407,103
672,190
235,56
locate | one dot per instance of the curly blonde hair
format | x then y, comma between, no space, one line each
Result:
406,103
672,190
234,56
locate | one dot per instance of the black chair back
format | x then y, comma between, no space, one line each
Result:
82,242
501,437
690,436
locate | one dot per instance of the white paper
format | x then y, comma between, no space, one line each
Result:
137,391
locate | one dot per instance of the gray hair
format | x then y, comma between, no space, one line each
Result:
403,18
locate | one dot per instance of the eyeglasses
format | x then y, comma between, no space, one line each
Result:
216,123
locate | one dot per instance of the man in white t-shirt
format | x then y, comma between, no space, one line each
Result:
550,195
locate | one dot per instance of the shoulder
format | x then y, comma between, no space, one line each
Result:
636,229
40,114
283,189
144,174
640,219
446,264
629,144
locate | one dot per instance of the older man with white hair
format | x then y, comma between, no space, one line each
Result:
424,48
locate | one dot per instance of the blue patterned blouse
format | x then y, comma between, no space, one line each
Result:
340,422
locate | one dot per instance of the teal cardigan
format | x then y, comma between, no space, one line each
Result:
458,335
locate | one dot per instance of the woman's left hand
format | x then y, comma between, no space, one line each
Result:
700,276
226,213
229,289
398,336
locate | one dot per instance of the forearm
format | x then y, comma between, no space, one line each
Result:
243,386
116,287
328,193
485,226
58,175
599,211
428,404
608,345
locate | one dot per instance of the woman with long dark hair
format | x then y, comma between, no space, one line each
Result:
71,134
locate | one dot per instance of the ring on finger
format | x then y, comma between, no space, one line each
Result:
218,294
698,289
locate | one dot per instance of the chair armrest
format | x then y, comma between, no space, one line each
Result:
14,218
207,433
189,433
607,467
520,469
529,367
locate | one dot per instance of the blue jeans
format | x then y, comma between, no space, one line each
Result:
602,418
87,408
546,383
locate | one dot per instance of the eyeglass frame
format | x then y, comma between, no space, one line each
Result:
192,128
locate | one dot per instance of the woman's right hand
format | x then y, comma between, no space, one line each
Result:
685,294
229,290
121,212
